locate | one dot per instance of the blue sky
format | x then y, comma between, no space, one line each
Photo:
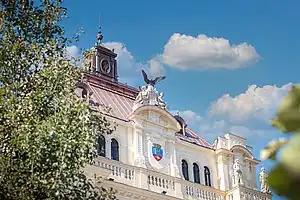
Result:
248,52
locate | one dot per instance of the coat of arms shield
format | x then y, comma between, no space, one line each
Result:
157,152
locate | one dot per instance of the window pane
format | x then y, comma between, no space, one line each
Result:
185,170
207,176
101,146
196,173
114,150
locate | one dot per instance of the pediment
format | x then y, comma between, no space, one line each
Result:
155,116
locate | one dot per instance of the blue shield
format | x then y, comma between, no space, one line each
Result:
157,152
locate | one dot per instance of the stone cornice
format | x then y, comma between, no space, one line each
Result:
195,146
223,151
255,161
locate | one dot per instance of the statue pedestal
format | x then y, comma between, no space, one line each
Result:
241,193
149,96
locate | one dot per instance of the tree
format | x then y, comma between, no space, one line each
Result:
47,133
284,178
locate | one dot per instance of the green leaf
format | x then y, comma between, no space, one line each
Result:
287,121
284,183
270,151
292,100
288,116
290,156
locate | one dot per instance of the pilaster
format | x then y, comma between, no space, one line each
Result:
139,146
223,169
108,147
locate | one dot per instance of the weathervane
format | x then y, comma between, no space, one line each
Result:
99,35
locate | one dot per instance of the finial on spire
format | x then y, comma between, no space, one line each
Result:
99,35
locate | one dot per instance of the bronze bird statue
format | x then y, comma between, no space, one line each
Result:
152,81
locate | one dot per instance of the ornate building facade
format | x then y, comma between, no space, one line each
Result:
153,154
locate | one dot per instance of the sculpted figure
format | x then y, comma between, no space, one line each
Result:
142,96
148,94
237,172
263,178
160,101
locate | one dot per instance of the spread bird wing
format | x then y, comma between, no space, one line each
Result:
145,76
157,79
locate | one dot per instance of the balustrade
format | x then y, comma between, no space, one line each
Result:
201,192
117,169
248,194
159,182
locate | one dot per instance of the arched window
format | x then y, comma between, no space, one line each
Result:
114,149
196,173
101,146
207,176
185,170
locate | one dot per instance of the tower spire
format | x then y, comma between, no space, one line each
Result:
99,35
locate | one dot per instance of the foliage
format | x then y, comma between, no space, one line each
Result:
284,178
47,133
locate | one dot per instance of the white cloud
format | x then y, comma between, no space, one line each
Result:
181,51
124,56
210,129
73,51
248,133
256,103
190,117
203,52
232,114
129,69
156,67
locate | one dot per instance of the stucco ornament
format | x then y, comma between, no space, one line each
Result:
263,178
148,95
237,173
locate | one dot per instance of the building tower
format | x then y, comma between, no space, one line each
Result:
101,61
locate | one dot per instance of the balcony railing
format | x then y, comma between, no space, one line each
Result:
119,172
161,181
158,182
201,192
248,194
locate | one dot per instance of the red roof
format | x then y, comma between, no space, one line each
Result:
120,98
201,140
120,104
192,137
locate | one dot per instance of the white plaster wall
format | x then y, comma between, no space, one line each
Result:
135,145
135,142
223,172
202,157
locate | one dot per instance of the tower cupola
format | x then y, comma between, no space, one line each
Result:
100,60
